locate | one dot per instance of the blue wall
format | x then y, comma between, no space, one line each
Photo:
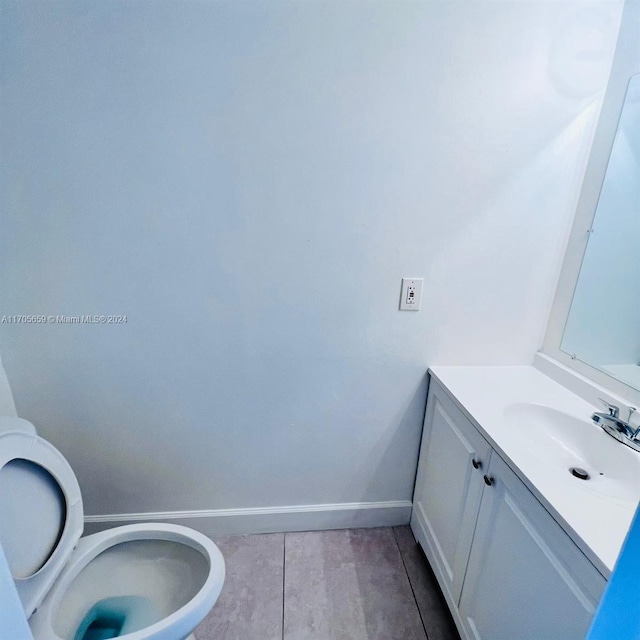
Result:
618,616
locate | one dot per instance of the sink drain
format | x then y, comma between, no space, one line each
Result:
579,473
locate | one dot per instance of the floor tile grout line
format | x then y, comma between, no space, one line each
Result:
413,592
284,568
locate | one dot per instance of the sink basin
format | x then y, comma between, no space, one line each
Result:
561,441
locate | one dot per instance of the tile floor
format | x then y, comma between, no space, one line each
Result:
351,584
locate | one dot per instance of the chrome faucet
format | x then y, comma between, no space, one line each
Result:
616,427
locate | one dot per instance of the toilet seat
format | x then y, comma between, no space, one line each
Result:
63,536
34,473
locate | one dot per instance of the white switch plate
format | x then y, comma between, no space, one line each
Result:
411,294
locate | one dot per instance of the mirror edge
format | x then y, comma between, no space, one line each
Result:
625,63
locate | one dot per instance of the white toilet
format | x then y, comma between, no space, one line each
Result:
135,582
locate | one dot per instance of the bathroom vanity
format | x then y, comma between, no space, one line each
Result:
521,546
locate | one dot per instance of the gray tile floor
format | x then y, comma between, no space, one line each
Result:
350,584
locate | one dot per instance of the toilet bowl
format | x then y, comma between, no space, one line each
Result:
134,582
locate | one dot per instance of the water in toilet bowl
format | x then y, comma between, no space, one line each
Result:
117,616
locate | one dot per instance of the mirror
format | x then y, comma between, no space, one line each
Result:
603,325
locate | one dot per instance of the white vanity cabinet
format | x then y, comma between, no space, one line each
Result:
507,569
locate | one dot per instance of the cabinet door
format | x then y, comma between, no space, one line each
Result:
526,579
448,490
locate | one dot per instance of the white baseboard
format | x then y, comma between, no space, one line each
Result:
220,522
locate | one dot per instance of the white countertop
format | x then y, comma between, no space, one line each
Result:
598,525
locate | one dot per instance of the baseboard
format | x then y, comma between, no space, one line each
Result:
220,522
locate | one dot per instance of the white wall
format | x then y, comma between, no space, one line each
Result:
248,182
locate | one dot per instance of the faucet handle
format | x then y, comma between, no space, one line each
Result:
636,430
613,410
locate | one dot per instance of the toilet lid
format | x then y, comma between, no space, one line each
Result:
41,515
13,423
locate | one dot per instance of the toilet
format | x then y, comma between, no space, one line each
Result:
134,582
